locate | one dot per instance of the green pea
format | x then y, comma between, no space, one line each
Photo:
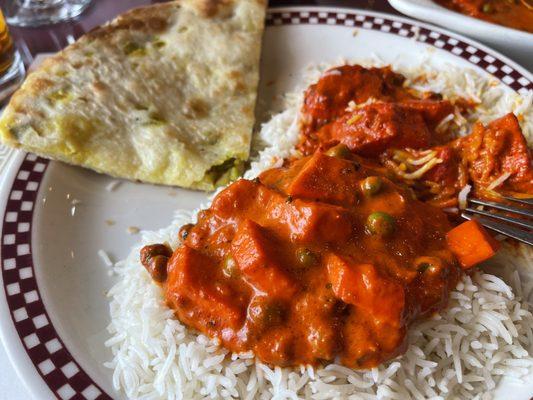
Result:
371,185
339,151
380,224
429,265
422,267
264,313
306,258
229,267
488,8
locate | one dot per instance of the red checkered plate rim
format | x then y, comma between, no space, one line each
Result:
29,318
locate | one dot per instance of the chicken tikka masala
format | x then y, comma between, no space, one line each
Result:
332,256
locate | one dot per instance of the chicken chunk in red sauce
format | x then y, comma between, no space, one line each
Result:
327,99
340,107
497,151
372,129
375,115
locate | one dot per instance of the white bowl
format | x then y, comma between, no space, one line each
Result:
515,43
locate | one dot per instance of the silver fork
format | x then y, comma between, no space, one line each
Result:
519,228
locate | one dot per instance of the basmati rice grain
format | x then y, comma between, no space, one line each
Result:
105,258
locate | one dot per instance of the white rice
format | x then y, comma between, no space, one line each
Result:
485,332
105,258
113,185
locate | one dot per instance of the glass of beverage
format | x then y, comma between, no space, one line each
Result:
12,69
42,12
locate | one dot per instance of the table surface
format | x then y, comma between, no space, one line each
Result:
32,41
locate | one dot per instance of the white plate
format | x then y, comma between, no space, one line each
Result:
518,44
53,309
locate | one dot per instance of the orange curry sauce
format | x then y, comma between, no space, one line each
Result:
517,14
331,257
286,266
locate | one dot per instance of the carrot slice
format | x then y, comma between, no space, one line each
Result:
471,244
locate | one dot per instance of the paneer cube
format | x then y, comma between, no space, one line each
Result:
327,179
186,282
299,220
362,286
255,253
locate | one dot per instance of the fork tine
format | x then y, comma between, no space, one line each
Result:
517,221
528,201
504,229
499,206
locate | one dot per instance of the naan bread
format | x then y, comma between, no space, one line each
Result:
162,94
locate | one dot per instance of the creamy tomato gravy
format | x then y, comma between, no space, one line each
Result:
290,266
334,255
